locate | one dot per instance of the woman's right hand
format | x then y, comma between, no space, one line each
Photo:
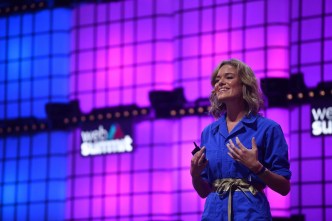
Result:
198,163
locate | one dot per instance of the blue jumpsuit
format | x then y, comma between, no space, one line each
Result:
272,153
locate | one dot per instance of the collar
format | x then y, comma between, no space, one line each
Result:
220,125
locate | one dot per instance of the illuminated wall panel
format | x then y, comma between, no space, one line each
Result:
112,54
34,70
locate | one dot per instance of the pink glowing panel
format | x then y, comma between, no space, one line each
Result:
114,38
86,38
114,78
311,169
124,163
144,53
189,46
125,182
236,40
163,76
86,102
162,203
128,96
164,51
254,38
111,184
189,201
256,60
128,52
114,57
141,153
278,62
185,155
185,180
312,75
160,159
141,204
160,135
207,47
189,68
222,18
81,208
256,18
207,20
112,163
101,58
237,15
125,201
85,61
86,14
190,22
97,206
142,96
111,205
310,142
97,184
279,204
162,181
144,75
141,180
144,30
81,186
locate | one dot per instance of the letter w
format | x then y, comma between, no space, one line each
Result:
319,114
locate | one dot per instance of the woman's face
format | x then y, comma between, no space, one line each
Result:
228,86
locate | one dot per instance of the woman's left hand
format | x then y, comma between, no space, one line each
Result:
248,157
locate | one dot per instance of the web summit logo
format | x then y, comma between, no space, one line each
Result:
321,121
101,141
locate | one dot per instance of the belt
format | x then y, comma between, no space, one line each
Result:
222,186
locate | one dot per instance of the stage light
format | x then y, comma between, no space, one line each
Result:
191,110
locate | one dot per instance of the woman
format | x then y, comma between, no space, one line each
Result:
242,151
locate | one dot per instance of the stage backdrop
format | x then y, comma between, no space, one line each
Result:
113,54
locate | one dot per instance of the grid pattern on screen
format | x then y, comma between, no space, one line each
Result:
311,157
124,50
116,53
33,71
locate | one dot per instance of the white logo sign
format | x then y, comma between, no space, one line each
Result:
322,121
97,142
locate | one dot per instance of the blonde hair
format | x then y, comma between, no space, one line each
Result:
252,94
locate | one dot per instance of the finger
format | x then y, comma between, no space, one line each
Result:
232,150
253,144
238,142
233,147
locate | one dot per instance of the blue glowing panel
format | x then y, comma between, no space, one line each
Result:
37,191
59,87
38,168
3,55
41,45
56,211
22,192
25,107
23,173
57,167
61,19
13,48
15,25
7,212
3,27
26,47
41,68
60,43
40,88
8,194
37,211
43,21
13,71
25,71
59,142
27,23
38,108
12,110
